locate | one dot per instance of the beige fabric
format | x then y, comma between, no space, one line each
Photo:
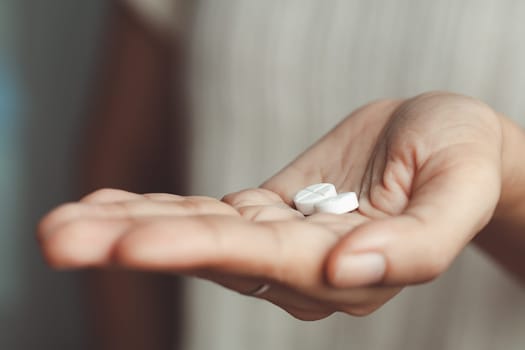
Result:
269,77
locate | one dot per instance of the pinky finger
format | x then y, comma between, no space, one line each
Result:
296,304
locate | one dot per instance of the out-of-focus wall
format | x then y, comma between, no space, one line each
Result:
47,57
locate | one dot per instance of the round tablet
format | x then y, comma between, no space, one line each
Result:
340,204
306,198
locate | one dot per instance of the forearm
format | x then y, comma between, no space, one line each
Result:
504,237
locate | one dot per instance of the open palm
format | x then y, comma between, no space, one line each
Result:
427,171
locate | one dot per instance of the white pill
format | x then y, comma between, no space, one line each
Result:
306,198
340,204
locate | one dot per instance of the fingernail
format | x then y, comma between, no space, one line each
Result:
354,270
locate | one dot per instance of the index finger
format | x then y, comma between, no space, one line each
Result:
290,252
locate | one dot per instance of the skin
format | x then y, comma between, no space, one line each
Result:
431,173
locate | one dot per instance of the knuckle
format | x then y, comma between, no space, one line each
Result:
193,205
121,209
101,194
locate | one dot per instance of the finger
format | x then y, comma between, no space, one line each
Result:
290,252
443,214
297,304
321,294
259,204
322,298
292,179
168,197
106,195
251,197
110,195
137,208
343,299
83,243
270,213
338,157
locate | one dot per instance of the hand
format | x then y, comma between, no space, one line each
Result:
428,174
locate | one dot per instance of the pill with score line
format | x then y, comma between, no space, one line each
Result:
306,198
340,204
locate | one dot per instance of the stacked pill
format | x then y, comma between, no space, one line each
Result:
323,198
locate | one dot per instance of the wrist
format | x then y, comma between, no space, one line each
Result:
503,237
511,206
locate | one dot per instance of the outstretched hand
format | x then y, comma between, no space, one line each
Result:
428,174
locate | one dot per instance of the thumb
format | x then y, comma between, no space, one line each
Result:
442,216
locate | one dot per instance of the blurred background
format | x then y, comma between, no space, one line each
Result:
47,58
